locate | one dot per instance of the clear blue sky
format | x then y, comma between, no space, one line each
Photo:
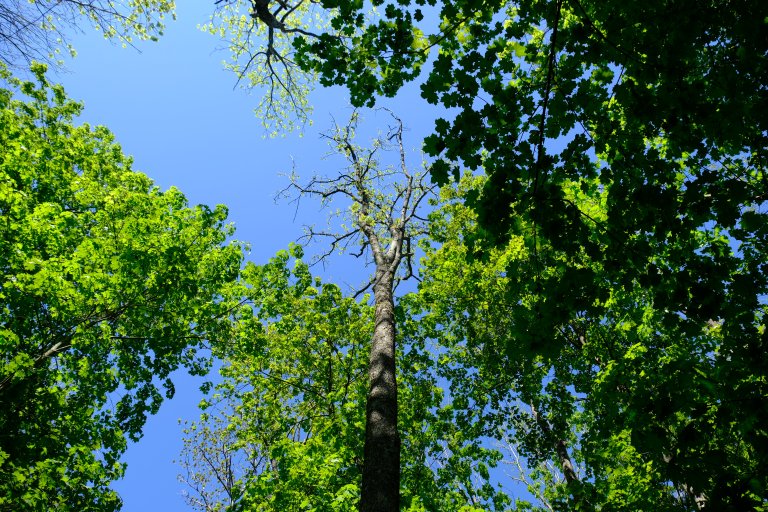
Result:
174,109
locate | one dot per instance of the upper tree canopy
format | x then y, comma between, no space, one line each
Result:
644,89
107,285
39,29
660,105
656,109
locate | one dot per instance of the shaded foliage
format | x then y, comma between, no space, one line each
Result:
640,407
625,149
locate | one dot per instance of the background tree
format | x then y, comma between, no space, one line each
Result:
284,428
107,286
38,30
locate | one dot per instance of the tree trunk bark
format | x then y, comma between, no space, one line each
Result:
566,465
381,462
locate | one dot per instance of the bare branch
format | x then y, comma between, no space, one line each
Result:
380,197
39,30
521,472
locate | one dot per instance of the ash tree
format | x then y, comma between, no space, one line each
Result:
329,402
107,285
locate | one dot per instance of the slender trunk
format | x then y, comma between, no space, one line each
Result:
385,219
381,463
566,465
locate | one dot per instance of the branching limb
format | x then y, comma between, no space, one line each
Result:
521,472
39,30
381,197
260,36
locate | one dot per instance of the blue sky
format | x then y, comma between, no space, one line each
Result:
173,108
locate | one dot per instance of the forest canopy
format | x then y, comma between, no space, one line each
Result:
590,313
625,149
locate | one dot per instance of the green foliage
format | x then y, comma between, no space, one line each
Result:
625,149
643,400
285,428
263,57
38,29
107,286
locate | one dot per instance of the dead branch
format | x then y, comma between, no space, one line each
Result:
382,198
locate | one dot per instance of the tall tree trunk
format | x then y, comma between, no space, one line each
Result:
385,220
381,464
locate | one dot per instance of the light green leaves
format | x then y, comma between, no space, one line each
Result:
262,56
288,413
107,285
39,29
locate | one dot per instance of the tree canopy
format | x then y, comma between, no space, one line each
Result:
634,411
38,30
592,303
625,149
108,285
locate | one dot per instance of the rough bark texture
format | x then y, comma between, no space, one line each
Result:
381,465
